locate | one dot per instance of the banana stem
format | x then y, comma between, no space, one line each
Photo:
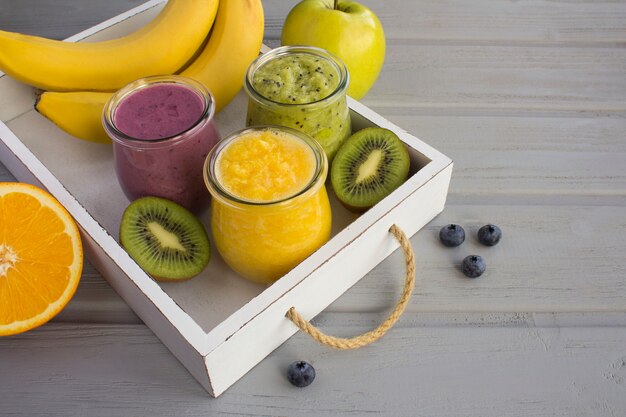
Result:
336,6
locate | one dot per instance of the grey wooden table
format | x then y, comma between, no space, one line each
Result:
529,99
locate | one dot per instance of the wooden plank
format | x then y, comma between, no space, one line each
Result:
490,22
61,18
551,258
449,21
469,370
493,79
555,159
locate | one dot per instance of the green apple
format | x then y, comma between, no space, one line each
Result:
347,29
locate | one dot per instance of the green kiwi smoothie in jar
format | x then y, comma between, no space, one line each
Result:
301,87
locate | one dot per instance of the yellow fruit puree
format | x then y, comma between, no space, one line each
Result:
265,166
270,208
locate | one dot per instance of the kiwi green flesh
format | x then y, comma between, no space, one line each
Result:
369,166
165,239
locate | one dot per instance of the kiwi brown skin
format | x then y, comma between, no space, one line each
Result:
388,173
147,248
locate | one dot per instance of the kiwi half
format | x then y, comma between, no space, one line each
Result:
165,239
368,167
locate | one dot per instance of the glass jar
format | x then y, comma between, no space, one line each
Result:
162,129
302,87
264,239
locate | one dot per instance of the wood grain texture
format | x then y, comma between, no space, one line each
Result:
58,19
113,370
529,99
487,22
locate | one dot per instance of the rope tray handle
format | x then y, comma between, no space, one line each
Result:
375,334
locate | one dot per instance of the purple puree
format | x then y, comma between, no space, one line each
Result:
159,111
171,169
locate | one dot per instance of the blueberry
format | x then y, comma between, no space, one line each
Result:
452,235
473,266
300,373
489,234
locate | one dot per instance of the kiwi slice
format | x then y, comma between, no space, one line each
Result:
368,167
165,239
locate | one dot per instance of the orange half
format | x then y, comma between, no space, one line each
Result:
41,257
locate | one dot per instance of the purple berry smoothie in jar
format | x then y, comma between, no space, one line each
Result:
162,129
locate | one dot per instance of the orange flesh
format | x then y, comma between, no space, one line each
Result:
40,258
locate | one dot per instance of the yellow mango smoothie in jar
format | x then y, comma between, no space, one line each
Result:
269,206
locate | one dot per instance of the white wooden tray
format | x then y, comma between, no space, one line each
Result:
217,324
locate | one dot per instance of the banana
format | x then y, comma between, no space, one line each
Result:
234,42
79,113
162,46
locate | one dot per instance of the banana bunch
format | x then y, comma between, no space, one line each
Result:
211,41
162,47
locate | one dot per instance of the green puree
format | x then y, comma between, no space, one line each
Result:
297,84
296,79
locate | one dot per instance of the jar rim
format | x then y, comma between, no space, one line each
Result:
338,64
120,95
218,191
